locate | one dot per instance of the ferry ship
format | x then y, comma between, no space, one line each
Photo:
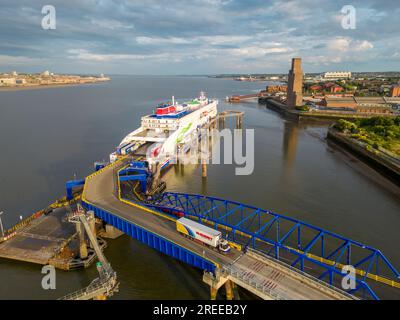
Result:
168,131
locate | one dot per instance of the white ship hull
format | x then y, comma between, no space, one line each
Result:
160,135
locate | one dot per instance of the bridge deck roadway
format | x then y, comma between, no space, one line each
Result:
101,191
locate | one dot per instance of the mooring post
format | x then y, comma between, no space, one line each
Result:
239,121
221,123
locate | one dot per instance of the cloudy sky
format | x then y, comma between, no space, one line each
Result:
198,36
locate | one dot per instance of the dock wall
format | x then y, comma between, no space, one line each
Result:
315,114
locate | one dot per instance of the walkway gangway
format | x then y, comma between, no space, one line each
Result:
106,284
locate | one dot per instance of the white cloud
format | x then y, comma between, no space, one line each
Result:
347,44
256,51
17,60
340,44
205,40
363,46
111,24
322,60
160,40
82,54
223,39
295,10
396,55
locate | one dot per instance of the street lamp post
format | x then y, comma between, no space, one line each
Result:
1,224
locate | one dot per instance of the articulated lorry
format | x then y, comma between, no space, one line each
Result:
201,233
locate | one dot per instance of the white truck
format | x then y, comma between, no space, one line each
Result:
203,234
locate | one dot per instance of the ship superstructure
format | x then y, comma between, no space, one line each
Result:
168,130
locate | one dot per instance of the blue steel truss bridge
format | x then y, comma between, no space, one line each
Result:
273,256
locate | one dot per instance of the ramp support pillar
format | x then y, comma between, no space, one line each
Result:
236,295
83,252
229,290
213,293
215,282
92,224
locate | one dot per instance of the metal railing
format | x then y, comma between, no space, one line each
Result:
96,288
239,275
320,284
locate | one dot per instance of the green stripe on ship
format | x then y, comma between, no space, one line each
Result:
183,131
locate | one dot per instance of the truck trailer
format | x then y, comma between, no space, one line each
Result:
203,234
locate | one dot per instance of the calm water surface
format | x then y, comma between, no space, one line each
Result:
48,135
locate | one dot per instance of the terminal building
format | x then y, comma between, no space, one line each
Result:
373,105
337,75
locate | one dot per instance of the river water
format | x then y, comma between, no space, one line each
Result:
48,136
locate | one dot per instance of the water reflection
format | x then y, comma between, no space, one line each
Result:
290,141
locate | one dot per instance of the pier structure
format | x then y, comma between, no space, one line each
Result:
268,259
220,123
236,114
106,284
246,97
48,238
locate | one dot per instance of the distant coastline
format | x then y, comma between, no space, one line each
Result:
14,81
45,86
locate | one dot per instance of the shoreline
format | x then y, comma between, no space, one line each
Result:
383,164
47,86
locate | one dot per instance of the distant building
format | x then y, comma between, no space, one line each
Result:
20,81
337,75
339,102
395,91
46,73
385,88
7,81
329,85
316,88
276,88
359,104
336,89
14,73
295,84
